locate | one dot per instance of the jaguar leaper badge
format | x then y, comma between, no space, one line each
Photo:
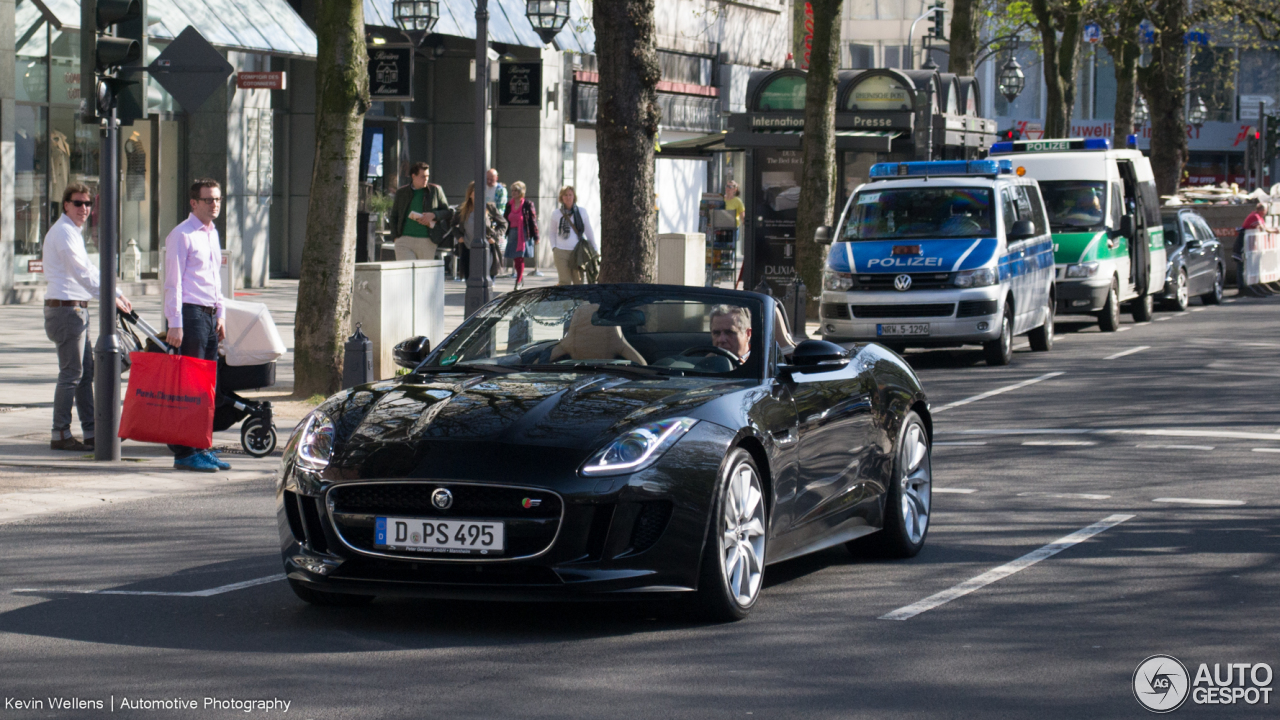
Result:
442,499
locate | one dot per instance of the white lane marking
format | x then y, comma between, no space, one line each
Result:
1081,496
1199,501
965,255
1130,351
1162,319
1059,443
1175,447
1273,450
1196,309
1154,432
976,443
1004,571
958,491
195,593
997,391
1123,329
1256,344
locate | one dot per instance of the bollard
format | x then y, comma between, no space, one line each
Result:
798,293
357,363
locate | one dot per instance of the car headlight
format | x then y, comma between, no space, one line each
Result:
981,277
838,281
638,448
1083,270
311,445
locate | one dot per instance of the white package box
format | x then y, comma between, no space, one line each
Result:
252,338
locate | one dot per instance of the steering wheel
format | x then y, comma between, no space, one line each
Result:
712,349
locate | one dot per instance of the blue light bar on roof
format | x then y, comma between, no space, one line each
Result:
1039,146
939,168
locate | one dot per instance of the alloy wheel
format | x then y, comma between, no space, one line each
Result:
1183,296
917,483
742,536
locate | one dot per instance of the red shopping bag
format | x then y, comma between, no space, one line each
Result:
170,400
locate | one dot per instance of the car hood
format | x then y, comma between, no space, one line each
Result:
395,428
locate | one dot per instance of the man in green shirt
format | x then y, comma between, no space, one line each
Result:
420,215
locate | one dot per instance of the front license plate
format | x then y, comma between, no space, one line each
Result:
444,536
896,329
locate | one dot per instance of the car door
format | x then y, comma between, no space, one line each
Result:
1038,254
1013,260
1207,271
1192,252
836,432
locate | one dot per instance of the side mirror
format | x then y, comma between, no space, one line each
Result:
410,353
1021,230
1127,227
816,356
822,235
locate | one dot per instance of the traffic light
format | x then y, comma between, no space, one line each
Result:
938,24
113,34
1009,134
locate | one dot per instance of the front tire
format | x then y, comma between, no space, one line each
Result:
327,599
1000,350
1180,297
1214,296
734,556
909,500
1042,337
1109,318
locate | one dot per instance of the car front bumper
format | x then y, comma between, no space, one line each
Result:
617,537
972,318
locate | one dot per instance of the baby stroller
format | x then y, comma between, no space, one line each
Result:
247,361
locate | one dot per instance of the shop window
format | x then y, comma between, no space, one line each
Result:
30,187
862,57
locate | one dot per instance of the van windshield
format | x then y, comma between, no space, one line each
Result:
951,212
1075,205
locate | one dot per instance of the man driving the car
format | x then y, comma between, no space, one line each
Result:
731,330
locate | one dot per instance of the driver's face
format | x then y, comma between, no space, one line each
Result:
725,334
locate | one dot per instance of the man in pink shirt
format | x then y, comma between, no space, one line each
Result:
193,298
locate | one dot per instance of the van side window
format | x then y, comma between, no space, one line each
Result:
1031,208
1009,208
1117,205
1150,202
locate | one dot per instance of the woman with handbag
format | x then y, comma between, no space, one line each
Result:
522,230
464,231
570,225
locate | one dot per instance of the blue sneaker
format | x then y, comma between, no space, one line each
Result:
196,462
213,455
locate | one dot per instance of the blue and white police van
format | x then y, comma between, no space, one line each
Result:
938,254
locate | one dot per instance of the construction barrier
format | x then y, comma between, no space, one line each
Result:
1261,257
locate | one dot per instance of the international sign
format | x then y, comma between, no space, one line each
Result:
520,85
391,73
260,81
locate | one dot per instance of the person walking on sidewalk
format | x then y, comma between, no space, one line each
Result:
193,299
570,225
419,215
496,193
72,283
494,228
522,230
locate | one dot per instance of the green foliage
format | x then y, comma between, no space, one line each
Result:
381,203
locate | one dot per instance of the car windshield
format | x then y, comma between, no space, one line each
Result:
949,212
633,330
1075,205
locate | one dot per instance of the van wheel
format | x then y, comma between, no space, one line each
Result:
1000,350
1042,337
1143,309
1109,318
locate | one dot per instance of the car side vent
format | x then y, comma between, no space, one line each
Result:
294,516
311,520
977,308
650,523
599,532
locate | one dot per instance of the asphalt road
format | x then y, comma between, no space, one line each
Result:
1161,439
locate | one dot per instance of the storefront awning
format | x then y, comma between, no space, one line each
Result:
507,23
267,26
699,147
857,140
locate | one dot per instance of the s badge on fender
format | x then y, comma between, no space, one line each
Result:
530,503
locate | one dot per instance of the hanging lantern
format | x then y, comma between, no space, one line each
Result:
548,17
416,16
1140,113
1199,112
1011,80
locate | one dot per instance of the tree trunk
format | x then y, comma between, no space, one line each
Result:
1123,46
626,129
965,15
328,252
1061,61
1164,85
818,173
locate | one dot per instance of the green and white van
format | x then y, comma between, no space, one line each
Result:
1104,214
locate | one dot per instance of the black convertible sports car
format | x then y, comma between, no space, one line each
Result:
606,441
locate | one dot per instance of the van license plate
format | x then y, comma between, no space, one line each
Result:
899,329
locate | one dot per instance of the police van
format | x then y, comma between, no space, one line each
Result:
936,254
1105,218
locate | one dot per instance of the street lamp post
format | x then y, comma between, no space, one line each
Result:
1199,112
1011,80
1140,114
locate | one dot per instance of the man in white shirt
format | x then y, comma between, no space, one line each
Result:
73,282
193,298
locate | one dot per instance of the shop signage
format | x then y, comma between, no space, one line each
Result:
391,73
35,266
874,121
260,81
777,122
879,92
520,85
